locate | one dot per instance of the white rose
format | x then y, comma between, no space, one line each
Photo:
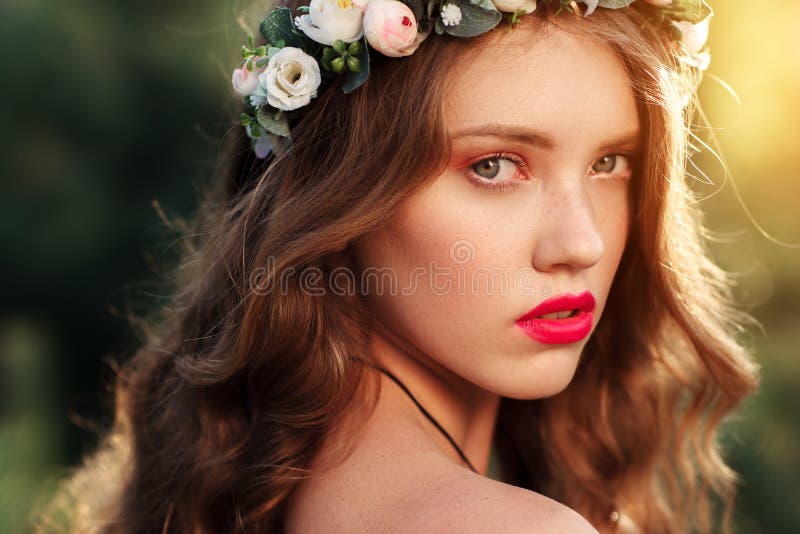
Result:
330,20
510,6
694,35
290,80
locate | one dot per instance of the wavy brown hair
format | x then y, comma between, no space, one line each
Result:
218,415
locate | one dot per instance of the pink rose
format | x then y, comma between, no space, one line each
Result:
391,29
245,81
659,3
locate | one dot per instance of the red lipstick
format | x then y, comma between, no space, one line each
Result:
567,330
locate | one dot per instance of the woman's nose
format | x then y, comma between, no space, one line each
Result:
568,234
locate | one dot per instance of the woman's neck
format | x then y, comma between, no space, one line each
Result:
468,413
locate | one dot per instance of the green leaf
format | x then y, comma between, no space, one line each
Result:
432,6
288,145
438,27
614,4
353,80
277,26
474,21
485,4
425,25
273,121
688,10
255,130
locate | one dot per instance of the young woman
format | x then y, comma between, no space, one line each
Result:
469,294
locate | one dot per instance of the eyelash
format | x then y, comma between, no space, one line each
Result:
632,163
511,184
514,183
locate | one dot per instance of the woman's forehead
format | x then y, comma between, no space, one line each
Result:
566,84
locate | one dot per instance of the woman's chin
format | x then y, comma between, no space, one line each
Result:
540,374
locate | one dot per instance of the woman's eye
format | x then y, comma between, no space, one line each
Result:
608,164
497,171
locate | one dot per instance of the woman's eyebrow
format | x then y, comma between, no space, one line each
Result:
536,138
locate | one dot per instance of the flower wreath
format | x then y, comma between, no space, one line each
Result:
333,37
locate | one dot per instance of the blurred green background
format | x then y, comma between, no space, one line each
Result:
108,106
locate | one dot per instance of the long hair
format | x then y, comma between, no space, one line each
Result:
243,373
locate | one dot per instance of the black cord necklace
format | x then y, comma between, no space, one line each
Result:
429,416
615,515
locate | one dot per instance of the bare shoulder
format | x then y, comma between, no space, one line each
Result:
434,495
467,503
393,483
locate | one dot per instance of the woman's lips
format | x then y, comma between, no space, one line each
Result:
568,330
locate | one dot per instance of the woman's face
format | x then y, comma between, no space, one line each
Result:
533,204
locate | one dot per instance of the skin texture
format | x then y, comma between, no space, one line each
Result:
566,224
